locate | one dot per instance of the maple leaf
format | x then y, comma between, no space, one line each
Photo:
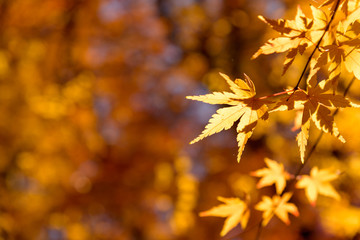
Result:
274,174
316,104
340,55
296,35
245,108
351,60
277,205
235,211
318,183
341,45
351,18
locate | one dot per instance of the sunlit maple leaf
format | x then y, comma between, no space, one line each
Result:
296,35
340,56
317,104
277,205
303,137
340,48
344,5
351,18
245,108
235,210
273,174
318,183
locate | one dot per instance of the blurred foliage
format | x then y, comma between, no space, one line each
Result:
95,127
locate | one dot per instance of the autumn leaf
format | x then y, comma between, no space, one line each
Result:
273,174
296,35
318,183
316,104
352,60
277,205
302,138
340,46
351,18
245,108
340,56
235,211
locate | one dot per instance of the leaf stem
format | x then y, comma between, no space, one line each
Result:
276,94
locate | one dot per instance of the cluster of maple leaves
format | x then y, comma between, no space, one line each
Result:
332,32
236,210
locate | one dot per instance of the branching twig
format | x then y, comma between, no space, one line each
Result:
307,157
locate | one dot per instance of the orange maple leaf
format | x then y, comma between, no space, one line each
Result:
318,183
277,205
235,211
273,174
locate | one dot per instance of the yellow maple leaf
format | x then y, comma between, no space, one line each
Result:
277,205
235,210
245,108
351,60
351,18
340,48
273,174
296,35
316,104
340,55
318,183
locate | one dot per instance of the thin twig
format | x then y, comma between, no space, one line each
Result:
348,86
258,233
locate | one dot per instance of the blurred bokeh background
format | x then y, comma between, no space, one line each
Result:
95,127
